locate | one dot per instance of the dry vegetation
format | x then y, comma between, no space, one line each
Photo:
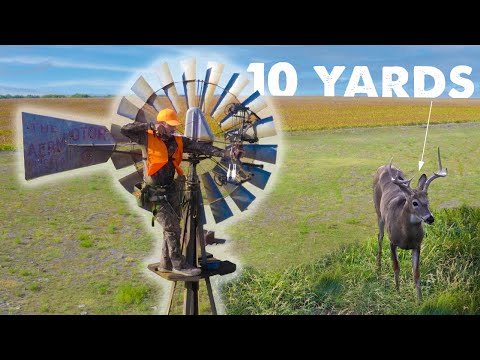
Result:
317,113
295,113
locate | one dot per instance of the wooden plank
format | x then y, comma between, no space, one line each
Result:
210,296
226,267
173,285
188,300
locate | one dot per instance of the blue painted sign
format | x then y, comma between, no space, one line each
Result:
53,145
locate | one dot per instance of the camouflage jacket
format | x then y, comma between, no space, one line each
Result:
137,132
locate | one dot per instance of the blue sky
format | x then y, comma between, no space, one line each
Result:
111,69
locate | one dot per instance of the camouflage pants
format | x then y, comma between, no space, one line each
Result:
168,216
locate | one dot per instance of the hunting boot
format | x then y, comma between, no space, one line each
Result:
187,270
165,265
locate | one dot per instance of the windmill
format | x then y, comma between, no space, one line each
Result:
210,113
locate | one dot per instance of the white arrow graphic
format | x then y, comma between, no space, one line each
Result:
421,162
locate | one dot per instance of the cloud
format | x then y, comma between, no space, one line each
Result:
12,90
85,82
62,63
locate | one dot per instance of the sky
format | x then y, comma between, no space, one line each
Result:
112,69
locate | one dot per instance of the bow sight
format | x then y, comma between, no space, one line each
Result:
243,118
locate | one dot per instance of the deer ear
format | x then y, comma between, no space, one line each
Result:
422,181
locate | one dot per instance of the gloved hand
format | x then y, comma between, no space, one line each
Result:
157,130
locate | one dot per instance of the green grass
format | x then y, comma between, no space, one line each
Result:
321,202
347,280
58,250
129,294
322,199
85,240
86,243
7,147
111,228
34,287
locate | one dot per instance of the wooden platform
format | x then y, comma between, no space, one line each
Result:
226,267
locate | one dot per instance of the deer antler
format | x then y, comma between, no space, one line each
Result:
436,175
405,184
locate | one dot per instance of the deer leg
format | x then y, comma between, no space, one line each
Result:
396,266
416,272
381,228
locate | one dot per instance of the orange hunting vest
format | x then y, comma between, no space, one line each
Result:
157,154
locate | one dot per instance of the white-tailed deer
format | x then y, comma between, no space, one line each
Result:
403,210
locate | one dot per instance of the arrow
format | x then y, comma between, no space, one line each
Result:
421,162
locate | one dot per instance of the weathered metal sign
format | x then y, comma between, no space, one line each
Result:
52,145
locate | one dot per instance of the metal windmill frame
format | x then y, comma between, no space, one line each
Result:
54,145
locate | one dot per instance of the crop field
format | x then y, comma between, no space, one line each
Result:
295,113
318,113
77,246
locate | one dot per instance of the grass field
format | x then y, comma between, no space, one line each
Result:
71,247
78,246
323,197
347,281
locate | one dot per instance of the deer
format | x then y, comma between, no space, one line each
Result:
403,210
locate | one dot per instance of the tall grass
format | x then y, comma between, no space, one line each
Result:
347,281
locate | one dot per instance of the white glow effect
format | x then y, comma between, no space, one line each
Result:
221,251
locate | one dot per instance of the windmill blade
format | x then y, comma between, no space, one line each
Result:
260,129
115,130
146,114
127,109
189,77
143,90
168,86
122,160
218,205
259,176
204,89
266,153
46,145
129,181
241,196
255,104
230,94
225,92
212,77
